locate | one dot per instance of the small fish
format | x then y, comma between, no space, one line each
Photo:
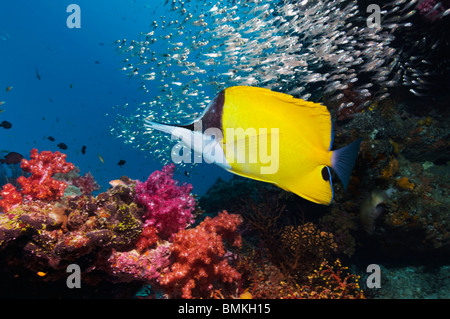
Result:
41,274
12,158
9,88
6,125
121,163
300,159
117,182
101,159
416,93
2,102
71,85
62,146
83,149
37,74
1,111
51,138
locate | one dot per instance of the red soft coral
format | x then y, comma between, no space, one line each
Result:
41,185
199,256
148,238
10,197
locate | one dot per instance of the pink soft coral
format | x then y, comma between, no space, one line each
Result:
168,204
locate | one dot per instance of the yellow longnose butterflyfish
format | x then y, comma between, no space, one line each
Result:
267,136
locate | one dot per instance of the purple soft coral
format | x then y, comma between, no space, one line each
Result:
168,204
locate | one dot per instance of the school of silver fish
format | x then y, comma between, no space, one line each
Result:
301,48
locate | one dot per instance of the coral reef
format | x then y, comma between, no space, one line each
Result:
110,237
273,245
52,235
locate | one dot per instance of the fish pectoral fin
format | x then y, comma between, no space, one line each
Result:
315,186
252,148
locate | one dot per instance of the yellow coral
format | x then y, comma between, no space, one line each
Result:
307,234
391,169
245,295
404,183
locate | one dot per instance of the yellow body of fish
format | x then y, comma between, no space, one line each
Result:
275,138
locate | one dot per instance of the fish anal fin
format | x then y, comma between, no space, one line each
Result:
315,186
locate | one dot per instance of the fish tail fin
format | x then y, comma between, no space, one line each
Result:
343,160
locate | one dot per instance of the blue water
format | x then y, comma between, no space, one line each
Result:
37,40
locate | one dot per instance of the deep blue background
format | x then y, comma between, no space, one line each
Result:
34,36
